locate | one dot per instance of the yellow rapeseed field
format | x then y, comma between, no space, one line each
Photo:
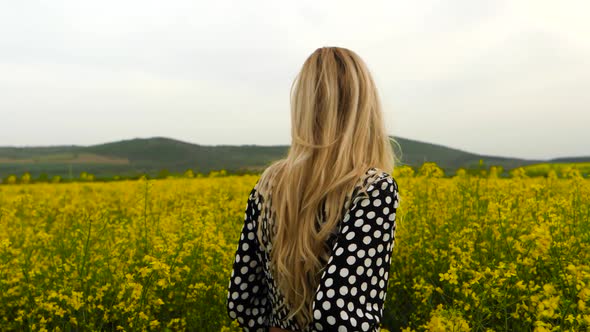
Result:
471,253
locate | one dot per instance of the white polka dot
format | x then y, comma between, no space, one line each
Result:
317,314
331,320
359,270
350,260
344,272
346,217
359,313
343,290
374,280
343,315
330,293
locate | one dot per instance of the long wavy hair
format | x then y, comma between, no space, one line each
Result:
338,133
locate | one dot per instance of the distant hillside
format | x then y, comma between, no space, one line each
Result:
152,155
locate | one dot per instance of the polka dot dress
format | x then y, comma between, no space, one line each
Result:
353,285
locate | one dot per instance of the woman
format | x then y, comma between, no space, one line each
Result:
315,249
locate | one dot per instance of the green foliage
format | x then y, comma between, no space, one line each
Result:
11,179
216,174
561,169
85,176
26,178
163,174
43,177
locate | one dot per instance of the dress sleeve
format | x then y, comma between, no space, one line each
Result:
247,290
353,286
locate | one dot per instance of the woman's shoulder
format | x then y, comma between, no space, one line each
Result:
380,173
375,175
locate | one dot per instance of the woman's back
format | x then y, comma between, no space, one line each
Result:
353,284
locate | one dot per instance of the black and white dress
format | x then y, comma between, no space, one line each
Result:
353,285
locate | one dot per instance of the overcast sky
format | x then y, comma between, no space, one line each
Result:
508,78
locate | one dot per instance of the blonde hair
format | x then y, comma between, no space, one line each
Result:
338,133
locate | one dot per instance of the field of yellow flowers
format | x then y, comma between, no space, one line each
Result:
471,253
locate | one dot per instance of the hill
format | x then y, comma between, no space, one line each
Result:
152,155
